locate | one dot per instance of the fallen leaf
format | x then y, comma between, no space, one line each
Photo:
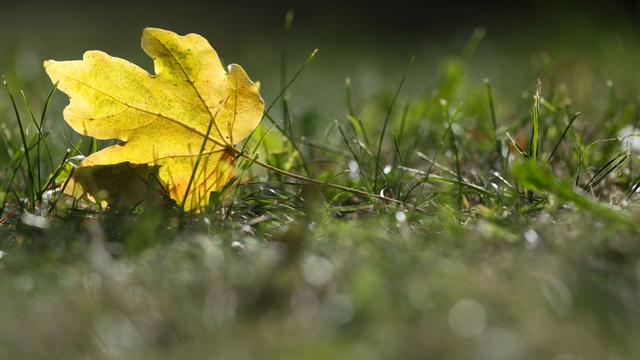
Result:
162,120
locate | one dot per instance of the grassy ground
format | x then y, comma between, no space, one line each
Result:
518,238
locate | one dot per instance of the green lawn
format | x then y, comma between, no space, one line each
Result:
497,252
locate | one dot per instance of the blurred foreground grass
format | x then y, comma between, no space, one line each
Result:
496,257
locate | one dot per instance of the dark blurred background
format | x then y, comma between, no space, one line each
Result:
359,18
369,41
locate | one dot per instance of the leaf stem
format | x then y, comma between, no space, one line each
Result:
309,180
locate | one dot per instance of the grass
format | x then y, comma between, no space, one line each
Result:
513,235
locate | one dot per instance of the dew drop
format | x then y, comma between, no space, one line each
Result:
317,270
401,216
531,239
467,318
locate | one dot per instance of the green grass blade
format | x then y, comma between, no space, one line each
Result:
286,114
399,157
494,122
534,141
538,177
55,174
605,170
356,158
197,163
275,101
564,133
454,148
31,185
386,122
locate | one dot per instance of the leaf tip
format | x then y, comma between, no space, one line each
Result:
154,32
150,29
47,64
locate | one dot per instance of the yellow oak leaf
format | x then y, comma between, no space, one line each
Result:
182,120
